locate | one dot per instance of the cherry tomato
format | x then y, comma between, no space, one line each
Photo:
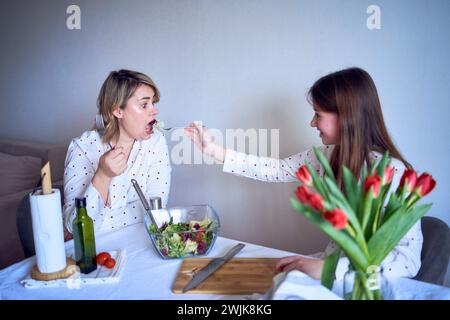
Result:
102,257
110,263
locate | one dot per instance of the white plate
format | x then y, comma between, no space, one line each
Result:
98,276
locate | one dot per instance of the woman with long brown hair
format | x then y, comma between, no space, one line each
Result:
350,121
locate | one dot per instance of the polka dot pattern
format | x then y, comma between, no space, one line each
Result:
403,261
268,169
148,163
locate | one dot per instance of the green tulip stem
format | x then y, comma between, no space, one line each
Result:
377,220
359,238
350,230
367,208
403,194
412,199
360,289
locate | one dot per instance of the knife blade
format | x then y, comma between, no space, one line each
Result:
211,267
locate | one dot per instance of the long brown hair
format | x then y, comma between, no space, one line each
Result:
118,87
352,95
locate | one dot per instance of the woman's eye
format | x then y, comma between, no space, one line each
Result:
144,105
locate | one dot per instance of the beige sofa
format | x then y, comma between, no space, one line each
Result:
20,164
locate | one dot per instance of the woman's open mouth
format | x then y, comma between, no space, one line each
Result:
149,126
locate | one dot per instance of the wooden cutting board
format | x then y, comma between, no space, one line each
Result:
237,276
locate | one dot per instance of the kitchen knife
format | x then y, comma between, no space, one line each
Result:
144,202
211,267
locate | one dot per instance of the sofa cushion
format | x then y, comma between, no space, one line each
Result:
10,247
18,173
53,153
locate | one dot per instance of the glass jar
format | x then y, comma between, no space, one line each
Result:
364,285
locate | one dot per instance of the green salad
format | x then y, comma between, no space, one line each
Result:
176,240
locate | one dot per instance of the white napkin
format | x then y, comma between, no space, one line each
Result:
296,285
99,276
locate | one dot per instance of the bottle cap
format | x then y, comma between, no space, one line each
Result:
80,202
155,203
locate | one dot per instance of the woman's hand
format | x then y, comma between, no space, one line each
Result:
310,266
203,140
112,163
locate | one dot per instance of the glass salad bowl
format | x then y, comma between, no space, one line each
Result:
183,231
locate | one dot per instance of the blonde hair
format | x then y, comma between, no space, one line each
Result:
118,87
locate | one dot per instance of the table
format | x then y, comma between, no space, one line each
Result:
147,276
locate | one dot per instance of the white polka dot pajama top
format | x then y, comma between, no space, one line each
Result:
148,163
403,261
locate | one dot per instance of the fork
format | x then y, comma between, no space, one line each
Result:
172,128
100,124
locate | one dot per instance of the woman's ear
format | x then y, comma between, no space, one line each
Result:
117,113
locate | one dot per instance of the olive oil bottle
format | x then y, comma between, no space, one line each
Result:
83,238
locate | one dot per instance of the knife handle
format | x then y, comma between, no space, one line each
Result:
233,251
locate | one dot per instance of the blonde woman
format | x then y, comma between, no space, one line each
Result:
100,167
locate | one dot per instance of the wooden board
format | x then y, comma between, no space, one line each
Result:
62,274
237,276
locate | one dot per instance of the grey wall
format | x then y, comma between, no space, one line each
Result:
232,64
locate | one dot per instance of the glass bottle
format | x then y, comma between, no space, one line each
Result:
365,285
83,238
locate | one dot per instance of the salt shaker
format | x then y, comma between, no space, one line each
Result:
155,203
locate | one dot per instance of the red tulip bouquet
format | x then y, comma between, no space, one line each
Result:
365,228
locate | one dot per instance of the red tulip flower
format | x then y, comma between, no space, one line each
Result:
425,184
337,218
306,196
388,175
316,201
375,182
302,194
409,180
304,176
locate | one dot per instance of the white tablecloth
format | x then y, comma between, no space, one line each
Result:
147,276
